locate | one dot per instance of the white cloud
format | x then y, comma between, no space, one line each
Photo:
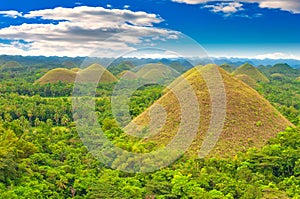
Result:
153,55
109,6
227,8
11,13
292,6
288,5
191,1
126,6
96,15
277,55
82,30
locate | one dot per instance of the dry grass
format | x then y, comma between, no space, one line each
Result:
250,119
248,80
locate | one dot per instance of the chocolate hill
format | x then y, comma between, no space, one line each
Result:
250,119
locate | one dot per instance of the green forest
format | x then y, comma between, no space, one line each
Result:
42,155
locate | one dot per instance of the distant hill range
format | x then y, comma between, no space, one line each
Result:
280,69
273,69
256,62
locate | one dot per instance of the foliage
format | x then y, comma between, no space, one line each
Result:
42,156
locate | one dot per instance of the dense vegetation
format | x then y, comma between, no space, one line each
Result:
42,156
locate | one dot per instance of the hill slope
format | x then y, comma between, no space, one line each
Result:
277,76
251,71
76,70
116,69
58,75
250,119
11,66
227,68
88,74
92,73
247,80
157,72
284,69
127,74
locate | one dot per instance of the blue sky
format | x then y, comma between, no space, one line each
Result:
246,28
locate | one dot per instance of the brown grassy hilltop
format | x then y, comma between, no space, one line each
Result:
251,71
58,75
250,119
90,73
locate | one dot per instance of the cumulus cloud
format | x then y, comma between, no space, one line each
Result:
11,13
288,5
227,8
82,30
292,6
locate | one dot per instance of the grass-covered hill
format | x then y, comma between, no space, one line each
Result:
126,74
251,71
11,66
92,73
227,67
280,68
68,76
157,72
58,75
117,68
250,119
176,65
277,76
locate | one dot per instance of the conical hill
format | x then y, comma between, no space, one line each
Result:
250,119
